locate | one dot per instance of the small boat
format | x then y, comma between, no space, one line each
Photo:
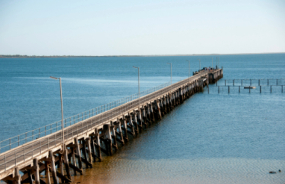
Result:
249,87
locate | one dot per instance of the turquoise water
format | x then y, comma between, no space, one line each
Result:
210,138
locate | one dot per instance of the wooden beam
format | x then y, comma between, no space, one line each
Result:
85,161
75,168
63,178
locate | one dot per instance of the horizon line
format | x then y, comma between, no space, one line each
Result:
150,55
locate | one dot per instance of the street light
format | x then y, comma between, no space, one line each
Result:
62,126
189,68
199,64
138,79
170,71
218,61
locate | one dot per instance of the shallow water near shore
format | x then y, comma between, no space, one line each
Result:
190,146
210,138
203,170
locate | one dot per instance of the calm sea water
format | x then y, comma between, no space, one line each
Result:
210,138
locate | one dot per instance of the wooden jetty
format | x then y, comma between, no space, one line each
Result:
86,141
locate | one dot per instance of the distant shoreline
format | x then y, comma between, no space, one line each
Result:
66,56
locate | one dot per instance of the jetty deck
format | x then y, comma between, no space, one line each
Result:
85,141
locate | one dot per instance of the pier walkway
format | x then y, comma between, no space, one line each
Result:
89,137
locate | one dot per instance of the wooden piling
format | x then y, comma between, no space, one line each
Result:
158,109
88,142
53,168
114,135
97,145
17,176
92,144
131,125
135,122
37,171
66,162
108,139
120,133
84,150
78,153
47,172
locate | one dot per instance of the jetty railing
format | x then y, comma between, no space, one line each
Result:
84,122
23,138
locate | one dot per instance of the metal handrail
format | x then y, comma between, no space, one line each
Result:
31,149
50,128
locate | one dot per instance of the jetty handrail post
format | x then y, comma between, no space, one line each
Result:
5,161
62,125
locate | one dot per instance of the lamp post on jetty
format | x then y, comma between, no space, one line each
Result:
138,82
218,62
189,68
199,64
170,71
62,126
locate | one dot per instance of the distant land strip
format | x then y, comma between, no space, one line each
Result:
63,56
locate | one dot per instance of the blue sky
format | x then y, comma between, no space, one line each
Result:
149,27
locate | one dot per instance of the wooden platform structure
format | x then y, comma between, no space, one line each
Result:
48,160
